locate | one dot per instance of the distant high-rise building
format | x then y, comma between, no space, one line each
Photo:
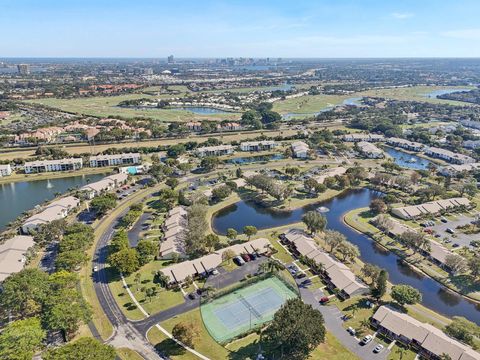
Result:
170,59
23,69
148,71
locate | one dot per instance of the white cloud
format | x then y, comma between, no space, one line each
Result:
402,16
473,34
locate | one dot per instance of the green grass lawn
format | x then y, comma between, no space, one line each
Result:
107,106
307,104
163,300
416,93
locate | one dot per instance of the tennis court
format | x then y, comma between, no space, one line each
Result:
245,308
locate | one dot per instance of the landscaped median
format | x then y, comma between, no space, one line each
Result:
100,320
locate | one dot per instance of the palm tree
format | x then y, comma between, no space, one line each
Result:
272,266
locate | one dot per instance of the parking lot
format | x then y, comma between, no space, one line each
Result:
458,237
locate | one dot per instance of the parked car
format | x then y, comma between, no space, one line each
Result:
456,245
238,261
444,220
351,331
213,272
245,257
95,268
450,231
307,282
301,275
192,296
378,348
324,300
366,339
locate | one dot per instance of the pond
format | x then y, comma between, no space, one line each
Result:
254,159
200,110
435,296
406,160
18,197
436,93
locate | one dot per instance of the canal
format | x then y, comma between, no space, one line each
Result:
435,296
18,197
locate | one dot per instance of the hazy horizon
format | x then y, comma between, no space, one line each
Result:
323,29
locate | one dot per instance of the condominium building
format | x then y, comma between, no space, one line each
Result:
13,254
425,339
449,156
405,144
215,150
336,274
431,208
300,149
41,166
178,273
451,170
106,184
115,159
5,170
56,210
257,145
369,150
363,137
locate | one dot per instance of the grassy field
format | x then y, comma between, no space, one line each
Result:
105,106
417,93
307,104
163,300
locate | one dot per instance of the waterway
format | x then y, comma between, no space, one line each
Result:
406,160
435,296
436,93
200,110
18,197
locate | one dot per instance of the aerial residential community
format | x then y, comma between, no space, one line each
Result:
224,180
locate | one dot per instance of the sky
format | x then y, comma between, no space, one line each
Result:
248,28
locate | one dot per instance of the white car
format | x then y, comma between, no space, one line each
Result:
378,348
95,268
366,339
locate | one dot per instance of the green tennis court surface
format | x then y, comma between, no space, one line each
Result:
245,308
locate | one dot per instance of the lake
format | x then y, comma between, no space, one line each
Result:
436,93
200,110
18,197
435,296
406,160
